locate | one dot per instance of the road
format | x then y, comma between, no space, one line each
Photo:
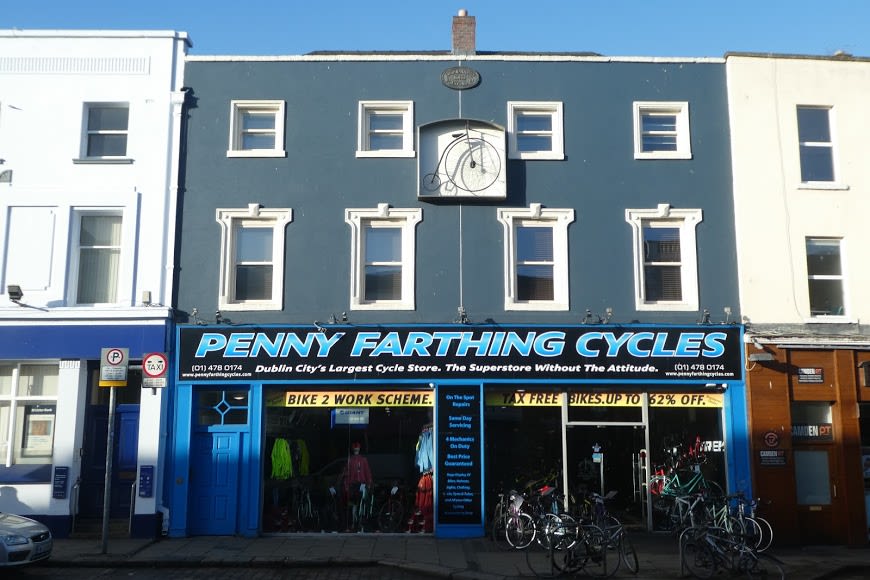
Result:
229,573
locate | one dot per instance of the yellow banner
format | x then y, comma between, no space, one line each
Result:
551,399
359,399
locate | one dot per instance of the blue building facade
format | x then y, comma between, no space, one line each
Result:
475,271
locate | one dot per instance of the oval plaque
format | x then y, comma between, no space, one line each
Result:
460,78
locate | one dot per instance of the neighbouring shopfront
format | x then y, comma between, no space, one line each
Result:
809,401
418,428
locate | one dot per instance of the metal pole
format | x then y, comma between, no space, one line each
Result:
107,487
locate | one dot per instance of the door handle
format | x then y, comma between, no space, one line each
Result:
834,486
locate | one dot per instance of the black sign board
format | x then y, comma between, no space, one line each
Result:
60,482
146,481
771,457
583,353
811,375
459,470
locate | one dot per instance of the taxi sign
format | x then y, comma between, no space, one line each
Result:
154,366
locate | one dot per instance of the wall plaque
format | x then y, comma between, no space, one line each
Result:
460,78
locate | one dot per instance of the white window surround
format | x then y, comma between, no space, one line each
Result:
540,108
367,109
536,215
684,219
358,219
683,134
238,108
835,184
229,220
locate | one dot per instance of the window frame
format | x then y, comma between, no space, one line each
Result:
238,108
556,111
85,156
686,220
833,183
368,108
75,261
841,277
12,451
230,219
556,218
683,128
359,219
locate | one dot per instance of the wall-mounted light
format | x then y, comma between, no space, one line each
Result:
865,372
6,176
14,292
146,297
727,320
761,357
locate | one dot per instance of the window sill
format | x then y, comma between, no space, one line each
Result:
249,306
824,185
830,319
382,306
386,153
539,306
666,306
662,155
259,153
103,161
533,155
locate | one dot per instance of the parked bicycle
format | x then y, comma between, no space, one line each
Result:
707,550
469,162
587,553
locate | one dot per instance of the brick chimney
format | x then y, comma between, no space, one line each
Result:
463,34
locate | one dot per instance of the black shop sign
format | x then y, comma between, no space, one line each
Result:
459,485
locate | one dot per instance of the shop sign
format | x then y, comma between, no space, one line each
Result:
354,416
359,399
769,457
580,353
458,446
771,439
60,482
551,399
813,432
811,375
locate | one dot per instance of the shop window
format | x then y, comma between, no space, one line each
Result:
28,406
221,407
811,422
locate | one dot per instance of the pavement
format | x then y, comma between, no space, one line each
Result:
423,554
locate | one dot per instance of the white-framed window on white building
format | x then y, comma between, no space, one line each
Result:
816,144
28,407
661,130
385,129
665,257
252,257
535,130
95,262
383,250
536,257
106,131
256,129
825,277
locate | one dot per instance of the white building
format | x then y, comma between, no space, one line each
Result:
90,127
799,149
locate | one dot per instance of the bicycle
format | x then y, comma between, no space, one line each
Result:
308,516
469,163
392,513
588,553
615,535
704,551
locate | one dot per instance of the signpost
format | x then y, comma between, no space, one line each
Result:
154,367
113,373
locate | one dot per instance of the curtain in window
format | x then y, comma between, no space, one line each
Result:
99,259
662,268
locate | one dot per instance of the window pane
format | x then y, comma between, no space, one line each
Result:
258,141
37,381
379,141
107,145
254,282
534,123
535,282
383,245
5,383
254,245
98,275
659,123
662,283
534,143
386,122
659,143
813,124
817,163
812,477
108,118
383,283
100,230
823,257
4,428
661,244
534,244
258,120
35,432
826,298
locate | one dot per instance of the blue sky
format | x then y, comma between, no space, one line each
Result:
609,27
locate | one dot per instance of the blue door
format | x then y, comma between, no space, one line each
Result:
214,483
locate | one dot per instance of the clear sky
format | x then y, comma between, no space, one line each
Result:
610,27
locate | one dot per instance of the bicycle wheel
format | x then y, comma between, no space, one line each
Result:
520,531
766,531
473,164
552,531
597,561
431,182
308,517
696,555
628,554
390,516
761,566
542,562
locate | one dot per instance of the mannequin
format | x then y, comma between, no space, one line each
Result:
356,480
